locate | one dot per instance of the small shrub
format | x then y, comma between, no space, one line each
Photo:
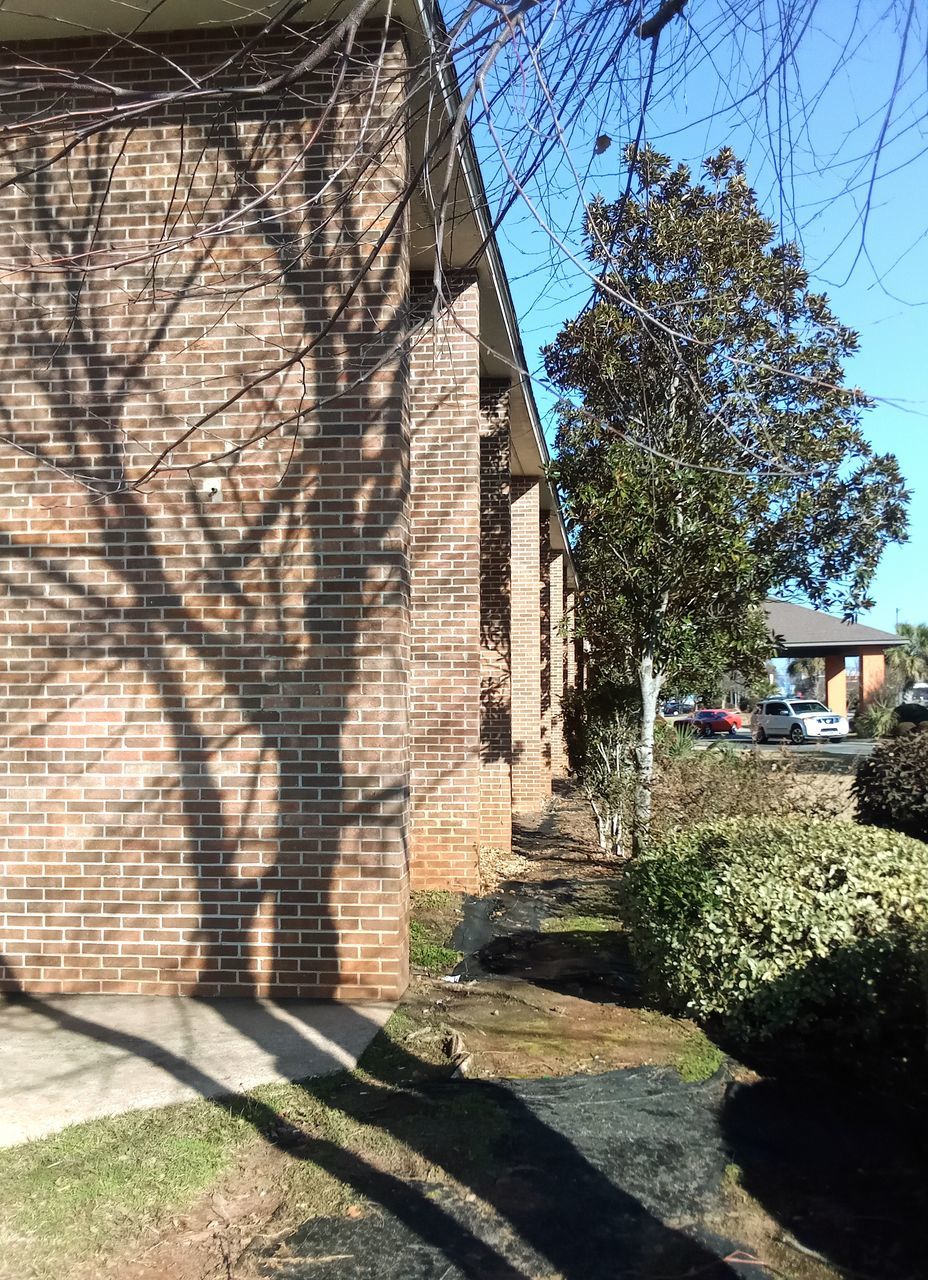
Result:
671,743
877,720
891,787
703,786
912,713
600,733
773,925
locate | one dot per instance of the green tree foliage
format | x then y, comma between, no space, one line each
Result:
808,675
708,451
910,661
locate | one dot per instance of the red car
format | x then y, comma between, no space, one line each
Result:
710,721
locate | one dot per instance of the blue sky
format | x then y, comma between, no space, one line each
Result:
870,256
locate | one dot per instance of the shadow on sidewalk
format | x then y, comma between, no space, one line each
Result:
540,1200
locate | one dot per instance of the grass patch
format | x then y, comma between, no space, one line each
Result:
425,952
84,1196
83,1191
699,1058
434,916
580,924
431,900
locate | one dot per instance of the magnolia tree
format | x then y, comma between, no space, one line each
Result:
709,450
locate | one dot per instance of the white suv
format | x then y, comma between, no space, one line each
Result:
798,719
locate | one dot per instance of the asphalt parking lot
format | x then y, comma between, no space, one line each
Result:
742,742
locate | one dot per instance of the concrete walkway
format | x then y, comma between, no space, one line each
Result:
70,1058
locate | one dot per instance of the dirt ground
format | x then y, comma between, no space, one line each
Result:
546,986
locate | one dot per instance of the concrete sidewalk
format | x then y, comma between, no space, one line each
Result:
70,1058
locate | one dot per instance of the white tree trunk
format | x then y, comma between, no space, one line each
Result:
650,682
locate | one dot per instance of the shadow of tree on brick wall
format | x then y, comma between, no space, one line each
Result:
544,610
259,601
495,575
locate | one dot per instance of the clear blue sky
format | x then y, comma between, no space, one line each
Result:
823,154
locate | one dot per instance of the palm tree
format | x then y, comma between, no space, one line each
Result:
910,660
806,674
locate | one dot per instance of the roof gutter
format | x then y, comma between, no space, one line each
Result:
839,645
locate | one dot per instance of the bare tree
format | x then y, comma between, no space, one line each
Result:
536,88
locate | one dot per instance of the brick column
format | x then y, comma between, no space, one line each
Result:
444,703
544,611
570,647
836,684
204,749
556,582
495,583
872,675
528,786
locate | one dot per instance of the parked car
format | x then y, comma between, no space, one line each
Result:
676,707
710,721
799,719
917,694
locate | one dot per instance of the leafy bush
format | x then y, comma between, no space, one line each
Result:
783,924
671,743
877,720
912,713
600,734
891,786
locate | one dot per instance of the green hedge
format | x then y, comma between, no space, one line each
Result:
891,786
771,925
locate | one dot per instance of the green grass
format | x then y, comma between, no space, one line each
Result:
427,900
91,1190
699,1058
427,952
81,1191
434,917
580,924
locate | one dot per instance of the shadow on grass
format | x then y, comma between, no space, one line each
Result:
554,1204
832,1142
841,1169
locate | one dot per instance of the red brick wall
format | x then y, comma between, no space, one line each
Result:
495,622
529,790
570,646
203,763
444,707
556,607
544,619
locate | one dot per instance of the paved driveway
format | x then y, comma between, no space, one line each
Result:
742,741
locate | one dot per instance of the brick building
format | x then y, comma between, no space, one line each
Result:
259,675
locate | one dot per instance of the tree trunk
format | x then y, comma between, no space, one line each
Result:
649,682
